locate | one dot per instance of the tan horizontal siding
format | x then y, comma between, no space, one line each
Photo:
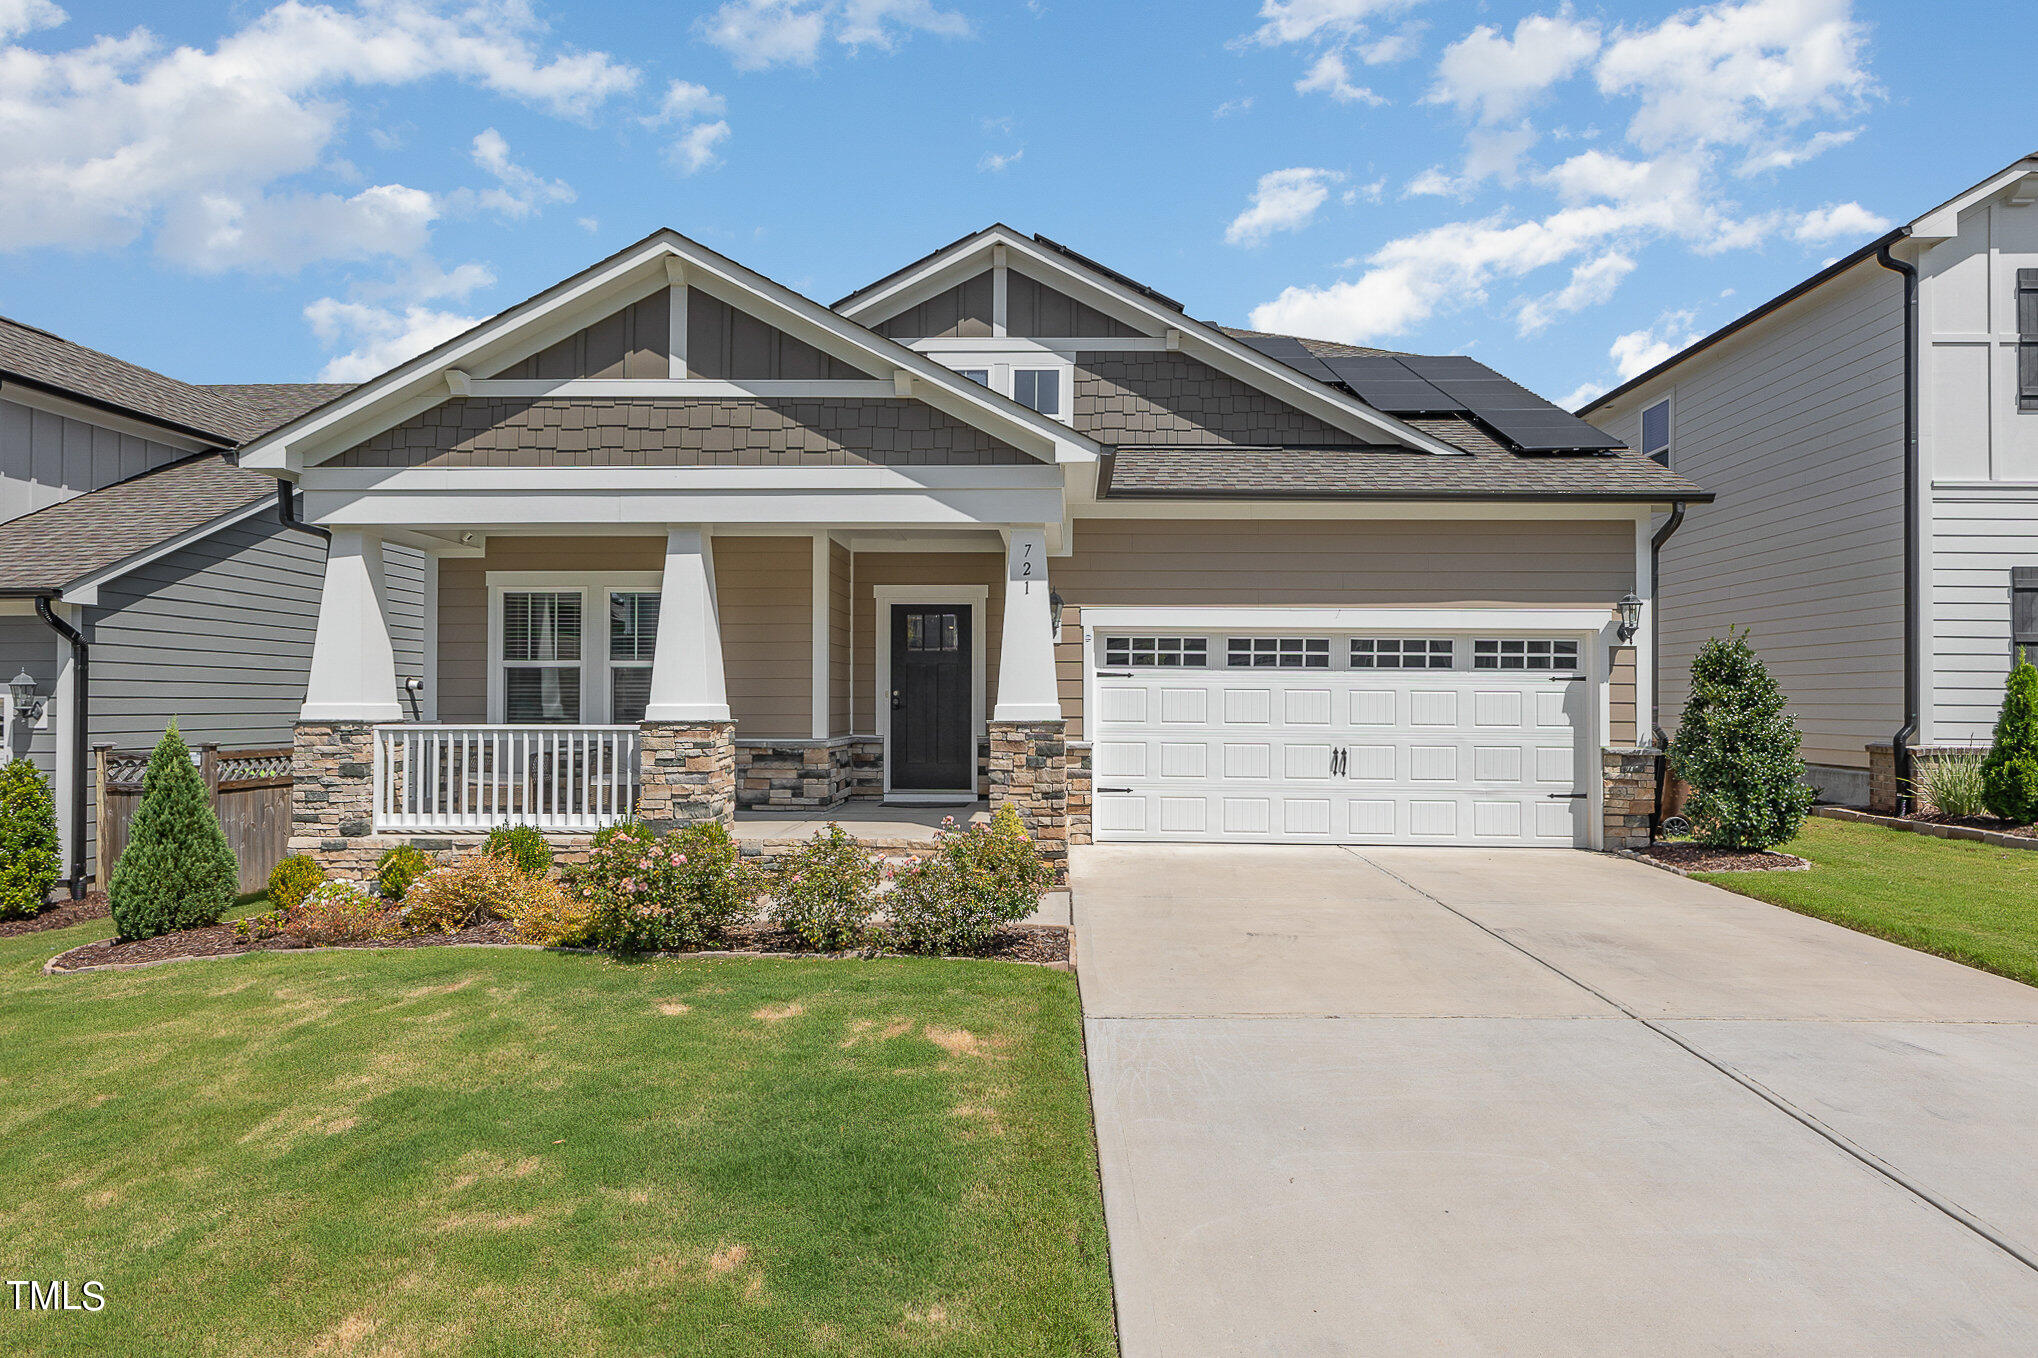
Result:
840,611
764,589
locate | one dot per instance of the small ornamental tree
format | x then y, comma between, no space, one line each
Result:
2009,776
177,871
28,840
1738,749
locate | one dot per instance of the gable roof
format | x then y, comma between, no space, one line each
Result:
627,276
90,535
1939,223
1114,292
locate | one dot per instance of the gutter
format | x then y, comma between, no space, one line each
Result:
1656,732
81,655
1901,742
218,441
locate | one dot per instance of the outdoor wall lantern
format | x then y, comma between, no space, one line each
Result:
1630,617
27,706
1054,602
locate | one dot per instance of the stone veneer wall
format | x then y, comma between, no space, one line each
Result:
1030,772
793,773
1630,776
686,773
1079,792
332,795
1882,779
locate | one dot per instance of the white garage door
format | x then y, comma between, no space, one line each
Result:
1343,738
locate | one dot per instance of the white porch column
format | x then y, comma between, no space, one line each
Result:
353,665
687,683
1026,683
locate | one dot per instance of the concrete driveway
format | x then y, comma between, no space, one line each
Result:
1398,1100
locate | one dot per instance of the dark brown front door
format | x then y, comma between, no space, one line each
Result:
930,748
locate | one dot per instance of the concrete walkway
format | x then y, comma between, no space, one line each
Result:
1393,1101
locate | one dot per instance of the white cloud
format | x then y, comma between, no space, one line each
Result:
696,110
1394,47
1840,221
1592,283
26,16
1242,104
518,191
1284,200
1493,78
1330,76
380,337
1640,350
124,135
1583,393
588,224
685,101
758,34
994,162
696,149
1291,21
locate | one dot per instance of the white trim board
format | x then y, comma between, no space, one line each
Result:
978,599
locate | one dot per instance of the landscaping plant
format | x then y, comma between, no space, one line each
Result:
1952,784
177,871
656,895
825,892
398,868
473,888
2009,776
28,840
553,919
980,878
293,879
335,912
523,845
1738,749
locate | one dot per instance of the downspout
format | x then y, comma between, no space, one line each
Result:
1656,733
1900,743
286,512
81,656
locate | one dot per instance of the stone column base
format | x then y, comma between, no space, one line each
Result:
332,792
1630,801
686,773
1030,773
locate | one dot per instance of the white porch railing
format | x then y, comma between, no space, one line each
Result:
472,778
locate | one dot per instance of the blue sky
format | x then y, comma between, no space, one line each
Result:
261,192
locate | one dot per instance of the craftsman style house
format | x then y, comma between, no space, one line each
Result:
1004,522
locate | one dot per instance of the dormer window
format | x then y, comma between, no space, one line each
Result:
1038,389
1036,378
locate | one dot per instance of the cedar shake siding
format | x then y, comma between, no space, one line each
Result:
1168,398
778,432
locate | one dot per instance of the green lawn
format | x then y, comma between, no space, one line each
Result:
1975,903
480,1151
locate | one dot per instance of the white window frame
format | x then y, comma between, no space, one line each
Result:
594,588
976,598
1002,365
1669,404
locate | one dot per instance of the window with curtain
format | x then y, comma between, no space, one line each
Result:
633,638
541,655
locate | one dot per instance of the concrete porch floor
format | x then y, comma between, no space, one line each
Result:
867,820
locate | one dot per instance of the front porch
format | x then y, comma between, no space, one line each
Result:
769,680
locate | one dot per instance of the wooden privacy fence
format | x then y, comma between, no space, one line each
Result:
250,793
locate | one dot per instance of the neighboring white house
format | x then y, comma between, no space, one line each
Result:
1853,567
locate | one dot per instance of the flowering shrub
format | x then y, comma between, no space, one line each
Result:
335,912
653,895
979,878
397,869
291,880
523,845
479,886
826,891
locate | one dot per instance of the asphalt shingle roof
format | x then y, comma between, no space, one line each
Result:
1387,472
81,536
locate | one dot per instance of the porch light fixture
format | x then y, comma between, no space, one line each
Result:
1630,617
21,688
1054,602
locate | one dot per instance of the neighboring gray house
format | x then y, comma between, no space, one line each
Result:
132,548
1888,593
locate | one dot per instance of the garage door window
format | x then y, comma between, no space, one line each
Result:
1278,653
1157,652
1401,653
1524,653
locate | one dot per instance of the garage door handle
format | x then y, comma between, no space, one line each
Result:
1114,789
1568,796
1116,674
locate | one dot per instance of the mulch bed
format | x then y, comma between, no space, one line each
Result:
61,915
1705,858
1038,943
1989,823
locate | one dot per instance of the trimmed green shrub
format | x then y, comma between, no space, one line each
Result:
1951,784
293,879
177,871
523,845
398,868
2009,776
979,879
663,895
1738,749
825,892
29,862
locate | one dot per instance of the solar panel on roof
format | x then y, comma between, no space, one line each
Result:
1511,410
1386,383
1291,351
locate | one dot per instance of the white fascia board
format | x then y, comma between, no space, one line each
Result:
1202,341
647,388
1509,511
763,481
1943,222
1056,346
1571,621
85,589
653,510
